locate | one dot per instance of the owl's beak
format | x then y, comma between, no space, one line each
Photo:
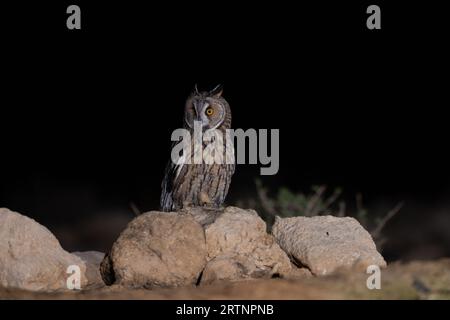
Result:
198,109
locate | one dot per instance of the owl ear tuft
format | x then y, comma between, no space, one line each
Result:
196,90
217,91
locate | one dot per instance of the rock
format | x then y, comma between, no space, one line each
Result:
238,247
226,268
31,258
157,249
92,260
325,243
297,273
203,216
174,249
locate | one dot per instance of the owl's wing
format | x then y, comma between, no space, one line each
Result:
172,173
167,187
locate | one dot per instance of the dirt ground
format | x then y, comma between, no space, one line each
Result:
414,280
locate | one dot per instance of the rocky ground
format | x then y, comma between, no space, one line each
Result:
416,280
221,254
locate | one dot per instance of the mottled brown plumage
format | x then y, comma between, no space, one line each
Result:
192,185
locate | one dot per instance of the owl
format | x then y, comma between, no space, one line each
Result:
200,184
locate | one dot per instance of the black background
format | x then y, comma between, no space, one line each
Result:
86,115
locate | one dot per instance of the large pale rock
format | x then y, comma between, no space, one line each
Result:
157,249
238,247
325,243
31,258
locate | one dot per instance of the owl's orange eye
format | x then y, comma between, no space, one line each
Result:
209,111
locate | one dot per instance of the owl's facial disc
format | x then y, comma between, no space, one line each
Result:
210,111
214,111
199,109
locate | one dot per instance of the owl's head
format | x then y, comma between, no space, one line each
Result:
208,107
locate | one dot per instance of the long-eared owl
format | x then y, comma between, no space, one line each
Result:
194,184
